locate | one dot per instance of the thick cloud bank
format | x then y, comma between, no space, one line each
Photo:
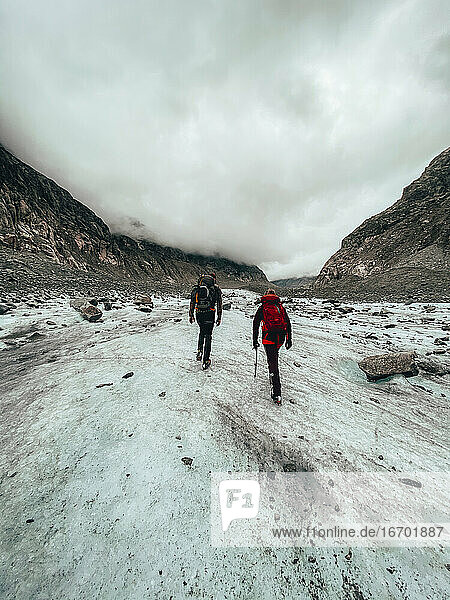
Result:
263,130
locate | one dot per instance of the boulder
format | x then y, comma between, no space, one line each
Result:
87,310
384,365
227,306
145,300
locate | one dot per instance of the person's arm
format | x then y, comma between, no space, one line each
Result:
192,304
219,305
288,330
256,323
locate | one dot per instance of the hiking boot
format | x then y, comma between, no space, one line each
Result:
277,400
199,354
206,364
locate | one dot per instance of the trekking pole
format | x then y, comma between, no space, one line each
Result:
256,360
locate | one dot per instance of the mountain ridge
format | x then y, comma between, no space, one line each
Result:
39,217
403,250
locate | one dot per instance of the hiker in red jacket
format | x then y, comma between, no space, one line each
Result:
276,330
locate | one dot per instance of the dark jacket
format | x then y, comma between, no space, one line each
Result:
216,301
269,337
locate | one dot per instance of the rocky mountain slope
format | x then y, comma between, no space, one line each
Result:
42,225
403,251
294,282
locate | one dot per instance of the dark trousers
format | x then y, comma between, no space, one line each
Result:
206,324
272,362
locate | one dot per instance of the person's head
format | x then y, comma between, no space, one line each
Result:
270,291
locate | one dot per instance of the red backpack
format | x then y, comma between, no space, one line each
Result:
273,314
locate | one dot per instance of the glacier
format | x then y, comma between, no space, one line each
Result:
96,501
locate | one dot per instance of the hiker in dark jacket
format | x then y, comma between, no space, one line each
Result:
276,330
205,297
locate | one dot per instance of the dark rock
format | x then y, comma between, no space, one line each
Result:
345,309
107,305
187,460
289,467
86,309
432,366
35,336
145,309
144,299
162,394
226,306
128,375
50,322
429,308
384,365
4,309
103,385
411,482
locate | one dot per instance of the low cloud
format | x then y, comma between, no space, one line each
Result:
261,130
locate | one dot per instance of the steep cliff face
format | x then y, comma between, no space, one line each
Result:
38,217
402,248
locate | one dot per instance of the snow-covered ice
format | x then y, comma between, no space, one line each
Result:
96,501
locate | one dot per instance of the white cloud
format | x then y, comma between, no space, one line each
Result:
262,130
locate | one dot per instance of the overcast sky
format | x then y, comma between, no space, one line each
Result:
264,130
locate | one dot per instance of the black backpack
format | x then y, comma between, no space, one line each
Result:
205,296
